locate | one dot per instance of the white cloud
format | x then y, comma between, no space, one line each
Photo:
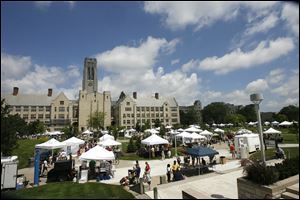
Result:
45,4
173,62
289,88
18,71
290,13
257,86
14,66
276,76
137,59
179,15
192,64
263,25
264,52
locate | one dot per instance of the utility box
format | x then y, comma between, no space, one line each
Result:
9,172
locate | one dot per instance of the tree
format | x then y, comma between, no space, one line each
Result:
190,117
131,147
215,112
249,113
36,127
157,123
236,119
96,120
162,130
291,112
8,130
146,125
280,117
114,130
138,127
69,131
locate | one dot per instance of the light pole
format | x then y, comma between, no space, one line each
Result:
175,147
256,99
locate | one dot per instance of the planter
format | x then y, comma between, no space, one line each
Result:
249,190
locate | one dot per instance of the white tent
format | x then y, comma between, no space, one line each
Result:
206,132
104,131
193,129
154,140
132,130
275,123
243,131
152,131
109,142
87,132
196,136
285,123
74,142
230,124
271,131
180,130
168,127
196,126
184,135
267,123
218,130
97,153
222,125
50,144
105,137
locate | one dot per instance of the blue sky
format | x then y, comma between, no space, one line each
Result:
212,51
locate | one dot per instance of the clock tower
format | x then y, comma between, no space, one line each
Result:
90,80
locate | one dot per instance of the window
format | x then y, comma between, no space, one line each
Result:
18,108
174,109
47,116
143,114
33,116
174,114
128,121
139,121
124,121
40,116
157,115
41,108
166,109
128,115
61,103
133,121
33,108
127,103
166,115
48,108
156,108
153,120
143,108
174,120
161,108
68,109
61,109
25,116
152,115
148,115
61,116
143,120
137,108
132,115
167,120
127,108
147,108
54,116
25,108
138,115
124,115
152,108
161,115
55,109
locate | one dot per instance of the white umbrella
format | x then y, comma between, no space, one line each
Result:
50,144
109,142
206,132
106,136
271,131
97,153
154,140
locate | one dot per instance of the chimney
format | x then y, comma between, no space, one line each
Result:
15,91
49,92
134,94
156,96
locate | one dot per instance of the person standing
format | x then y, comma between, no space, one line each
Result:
162,154
45,166
153,152
232,150
169,172
169,153
147,168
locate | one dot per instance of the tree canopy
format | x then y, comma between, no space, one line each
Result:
215,112
96,120
291,112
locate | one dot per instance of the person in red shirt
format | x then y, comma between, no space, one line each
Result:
232,150
147,168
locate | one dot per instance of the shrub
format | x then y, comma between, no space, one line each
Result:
289,167
131,146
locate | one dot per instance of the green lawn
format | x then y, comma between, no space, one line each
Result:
289,138
289,151
25,150
70,190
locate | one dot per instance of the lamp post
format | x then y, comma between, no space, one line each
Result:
175,147
256,99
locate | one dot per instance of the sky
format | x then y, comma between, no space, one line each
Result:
211,51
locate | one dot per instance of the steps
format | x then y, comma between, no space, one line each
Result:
291,192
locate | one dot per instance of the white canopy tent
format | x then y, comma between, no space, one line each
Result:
105,137
206,132
104,131
180,130
193,129
109,142
243,131
218,130
275,123
50,144
285,123
267,123
168,127
97,153
271,131
152,131
87,132
74,143
154,140
196,136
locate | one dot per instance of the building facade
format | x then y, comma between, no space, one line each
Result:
59,111
128,111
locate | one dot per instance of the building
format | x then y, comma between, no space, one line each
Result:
90,100
56,112
197,106
59,111
128,111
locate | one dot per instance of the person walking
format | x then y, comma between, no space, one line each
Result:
45,167
147,168
169,172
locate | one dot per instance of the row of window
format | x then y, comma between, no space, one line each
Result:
128,115
174,120
32,108
34,116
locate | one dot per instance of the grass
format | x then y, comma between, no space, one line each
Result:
289,138
269,153
70,190
25,150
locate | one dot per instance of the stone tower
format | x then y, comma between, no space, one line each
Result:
90,80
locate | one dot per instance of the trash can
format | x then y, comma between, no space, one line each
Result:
222,159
